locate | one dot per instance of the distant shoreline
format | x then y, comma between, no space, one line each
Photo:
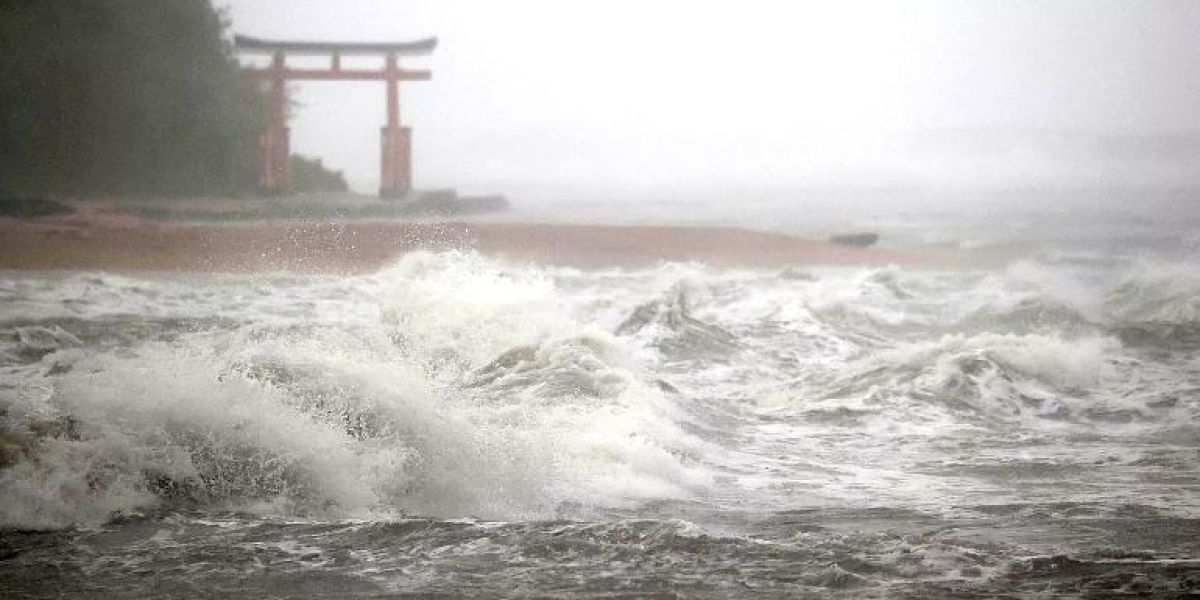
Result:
102,237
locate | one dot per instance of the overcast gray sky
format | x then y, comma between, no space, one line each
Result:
676,94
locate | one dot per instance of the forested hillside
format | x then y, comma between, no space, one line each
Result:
103,97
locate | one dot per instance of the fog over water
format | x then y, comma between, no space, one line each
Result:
543,98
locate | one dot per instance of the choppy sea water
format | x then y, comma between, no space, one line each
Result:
459,426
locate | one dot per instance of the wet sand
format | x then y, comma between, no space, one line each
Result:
117,242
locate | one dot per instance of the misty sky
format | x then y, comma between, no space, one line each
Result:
674,95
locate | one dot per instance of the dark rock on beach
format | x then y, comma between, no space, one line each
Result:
860,240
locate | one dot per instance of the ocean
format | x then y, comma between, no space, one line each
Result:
456,425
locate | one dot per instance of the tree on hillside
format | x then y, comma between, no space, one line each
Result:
120,97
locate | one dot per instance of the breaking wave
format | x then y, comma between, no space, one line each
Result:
451,385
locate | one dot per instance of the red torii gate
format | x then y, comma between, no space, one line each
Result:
396,141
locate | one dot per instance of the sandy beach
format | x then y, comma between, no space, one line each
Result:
100,237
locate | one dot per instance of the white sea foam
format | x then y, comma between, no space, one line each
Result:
453,385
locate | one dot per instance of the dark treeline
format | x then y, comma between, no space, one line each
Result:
106,97
310,175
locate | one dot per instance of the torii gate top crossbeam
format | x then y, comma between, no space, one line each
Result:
390,72
420,47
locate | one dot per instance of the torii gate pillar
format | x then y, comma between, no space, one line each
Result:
395,174
274,144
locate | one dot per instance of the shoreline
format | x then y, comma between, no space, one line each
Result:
104,239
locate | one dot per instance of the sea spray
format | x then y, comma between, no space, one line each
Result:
457,418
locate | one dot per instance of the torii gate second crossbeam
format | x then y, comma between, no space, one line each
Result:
396,141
